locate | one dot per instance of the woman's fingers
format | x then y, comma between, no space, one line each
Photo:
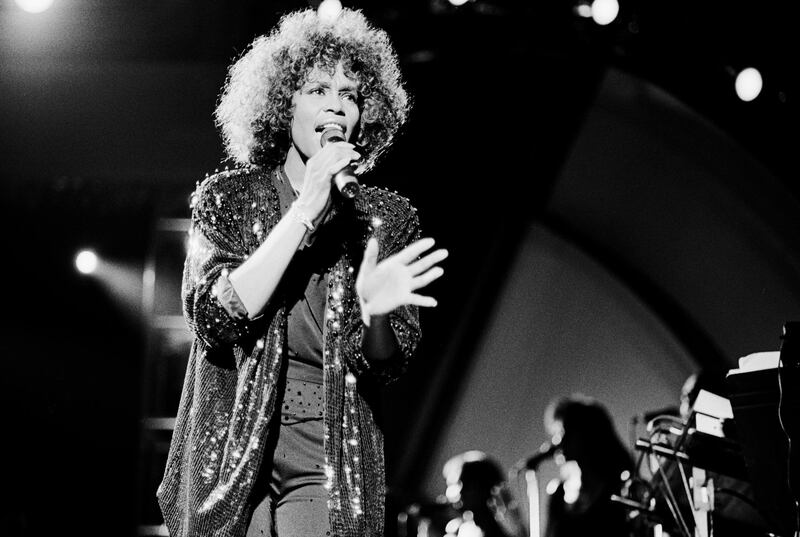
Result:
338,153
423,264
332,158
420,300
338,165
413,250
426,278
395,279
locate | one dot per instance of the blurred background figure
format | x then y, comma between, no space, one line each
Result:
593,463
476,503
477,490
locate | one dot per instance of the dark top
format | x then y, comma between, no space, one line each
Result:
602,517
302,398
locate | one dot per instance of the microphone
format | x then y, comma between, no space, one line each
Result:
345,179
545,451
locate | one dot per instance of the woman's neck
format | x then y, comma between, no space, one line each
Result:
295,169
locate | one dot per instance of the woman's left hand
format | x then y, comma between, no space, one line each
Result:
394,281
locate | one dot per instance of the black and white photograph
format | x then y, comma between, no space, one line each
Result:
415,268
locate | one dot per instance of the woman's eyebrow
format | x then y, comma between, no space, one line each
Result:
348,86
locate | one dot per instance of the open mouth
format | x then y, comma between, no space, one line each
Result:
327,126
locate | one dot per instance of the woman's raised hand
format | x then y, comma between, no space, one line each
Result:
394,281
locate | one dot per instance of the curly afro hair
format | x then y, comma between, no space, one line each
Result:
254,111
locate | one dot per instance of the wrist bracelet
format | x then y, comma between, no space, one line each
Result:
300,215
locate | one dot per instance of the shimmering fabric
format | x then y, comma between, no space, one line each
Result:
229,394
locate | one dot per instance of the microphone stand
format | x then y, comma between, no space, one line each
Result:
532,494
532,489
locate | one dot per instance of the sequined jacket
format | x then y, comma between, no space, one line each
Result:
229,393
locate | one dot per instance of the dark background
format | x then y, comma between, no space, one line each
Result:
107,125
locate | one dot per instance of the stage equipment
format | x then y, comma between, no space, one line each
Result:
725,470
766,406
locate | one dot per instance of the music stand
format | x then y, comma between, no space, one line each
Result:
754,397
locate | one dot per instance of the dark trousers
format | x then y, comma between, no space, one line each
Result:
291,501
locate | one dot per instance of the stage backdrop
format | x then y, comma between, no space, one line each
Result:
664,247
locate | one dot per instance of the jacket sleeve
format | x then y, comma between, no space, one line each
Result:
394,235
216,246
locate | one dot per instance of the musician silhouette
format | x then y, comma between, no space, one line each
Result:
476,490
592,461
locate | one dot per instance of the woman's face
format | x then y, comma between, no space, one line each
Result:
324,101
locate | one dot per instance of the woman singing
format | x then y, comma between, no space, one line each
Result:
301,299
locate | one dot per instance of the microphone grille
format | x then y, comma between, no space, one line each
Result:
331,135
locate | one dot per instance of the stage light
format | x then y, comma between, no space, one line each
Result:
468,528
34,6
328,10
453,492
86,261
572,484
605,11
458,2
748,84
584,9
452,526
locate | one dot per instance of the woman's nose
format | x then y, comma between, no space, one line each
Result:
333,102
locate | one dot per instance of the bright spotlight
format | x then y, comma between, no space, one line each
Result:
748,84
605,11
34,6
328,10
86,261
458,2
584,10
